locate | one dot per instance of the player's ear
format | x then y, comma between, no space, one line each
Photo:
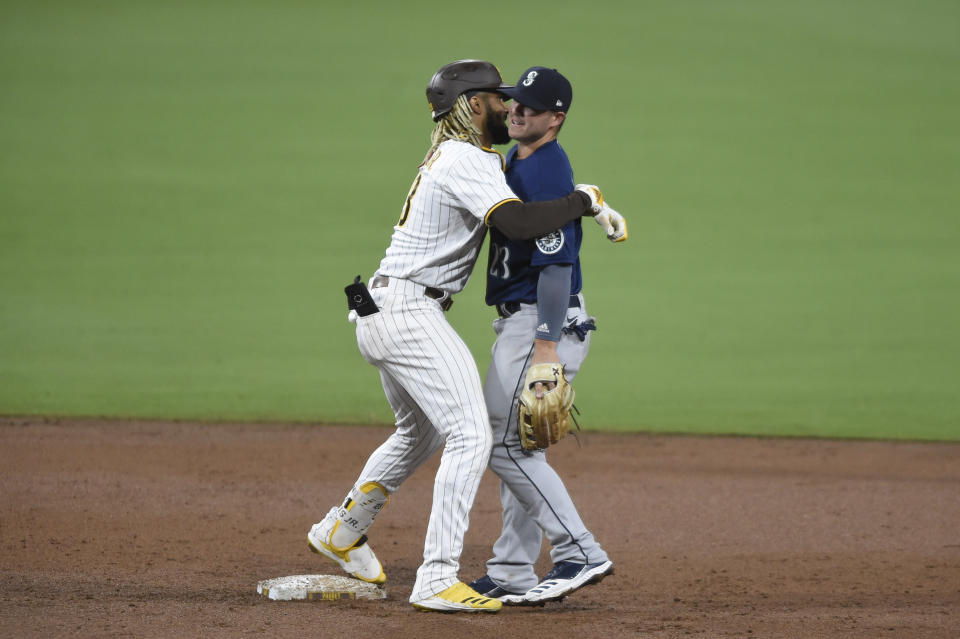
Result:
476,104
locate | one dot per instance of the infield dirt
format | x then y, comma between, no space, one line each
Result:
155,529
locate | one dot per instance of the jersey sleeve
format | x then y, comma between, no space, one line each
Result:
477,182
554,178
559,247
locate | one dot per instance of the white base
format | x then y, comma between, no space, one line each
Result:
319,587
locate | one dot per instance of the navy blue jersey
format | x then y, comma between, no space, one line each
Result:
513,266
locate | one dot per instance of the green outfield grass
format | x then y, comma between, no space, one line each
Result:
186,187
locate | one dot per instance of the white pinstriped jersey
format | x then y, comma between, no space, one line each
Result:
444,218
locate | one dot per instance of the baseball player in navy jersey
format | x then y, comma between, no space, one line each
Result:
536,287
428,373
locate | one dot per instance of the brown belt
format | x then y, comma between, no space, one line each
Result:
446,301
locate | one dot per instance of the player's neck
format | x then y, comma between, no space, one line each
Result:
526,149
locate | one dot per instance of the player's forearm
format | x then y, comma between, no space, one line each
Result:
553,299
527,220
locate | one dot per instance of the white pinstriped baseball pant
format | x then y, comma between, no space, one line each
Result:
432,383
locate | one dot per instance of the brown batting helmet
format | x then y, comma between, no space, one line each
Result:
458,77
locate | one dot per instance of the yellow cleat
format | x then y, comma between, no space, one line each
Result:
458,598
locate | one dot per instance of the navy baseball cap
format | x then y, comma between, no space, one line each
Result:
541,88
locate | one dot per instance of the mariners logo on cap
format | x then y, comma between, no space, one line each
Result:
550,243
530,78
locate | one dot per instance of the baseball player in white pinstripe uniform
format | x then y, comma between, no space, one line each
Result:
428,373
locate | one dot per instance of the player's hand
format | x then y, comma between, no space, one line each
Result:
612,223
543,351
592,192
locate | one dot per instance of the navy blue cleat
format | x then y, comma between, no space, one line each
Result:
564,578
487,587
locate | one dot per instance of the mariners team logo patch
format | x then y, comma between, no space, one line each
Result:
550,243
530,78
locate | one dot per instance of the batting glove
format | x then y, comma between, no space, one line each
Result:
592,192
613,223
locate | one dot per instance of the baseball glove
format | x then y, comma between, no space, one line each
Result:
544,420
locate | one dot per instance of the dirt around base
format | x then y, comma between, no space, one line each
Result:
147,529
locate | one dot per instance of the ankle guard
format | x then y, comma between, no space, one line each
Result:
355,517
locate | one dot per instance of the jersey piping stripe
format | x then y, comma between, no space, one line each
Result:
503,162
486,218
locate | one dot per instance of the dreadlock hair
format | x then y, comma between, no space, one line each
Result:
456,125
